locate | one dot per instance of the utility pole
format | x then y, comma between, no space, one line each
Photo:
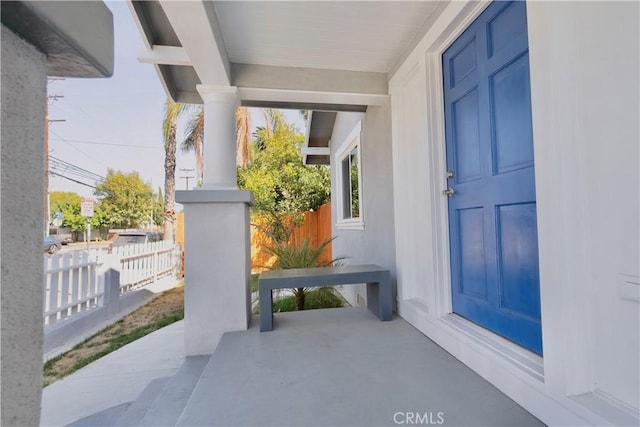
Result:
187,178
47,213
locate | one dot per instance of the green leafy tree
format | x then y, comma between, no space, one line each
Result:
68,204
125,200
158,208
283,188
57,199
279,180
100,220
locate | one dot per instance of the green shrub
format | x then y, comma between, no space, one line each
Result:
254,282
324,297
299,255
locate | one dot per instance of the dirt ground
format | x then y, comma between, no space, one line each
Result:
168,304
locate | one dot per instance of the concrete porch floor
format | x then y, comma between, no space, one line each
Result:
337,367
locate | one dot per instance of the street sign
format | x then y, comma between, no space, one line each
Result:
86,207
57,219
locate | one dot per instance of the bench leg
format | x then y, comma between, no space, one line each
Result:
379,299
266,310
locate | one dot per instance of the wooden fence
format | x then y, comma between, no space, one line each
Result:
316,226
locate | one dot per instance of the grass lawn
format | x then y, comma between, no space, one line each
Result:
162,311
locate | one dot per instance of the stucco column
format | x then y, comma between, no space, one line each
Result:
216,229
23,111
219,145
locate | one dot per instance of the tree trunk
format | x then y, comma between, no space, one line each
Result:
243,136
300,295
197,142
170,183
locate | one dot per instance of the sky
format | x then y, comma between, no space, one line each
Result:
116,122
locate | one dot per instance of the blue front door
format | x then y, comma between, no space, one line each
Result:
492,211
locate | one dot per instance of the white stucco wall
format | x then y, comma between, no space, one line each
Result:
374,244
585,91
22,193
584,84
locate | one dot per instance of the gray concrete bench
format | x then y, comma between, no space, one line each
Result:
378,280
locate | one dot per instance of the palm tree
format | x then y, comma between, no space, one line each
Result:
243,136
269,121
193,139
273,119
194,135
172,110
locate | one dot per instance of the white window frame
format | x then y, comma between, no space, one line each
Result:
352,141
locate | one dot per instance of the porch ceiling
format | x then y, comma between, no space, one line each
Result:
337,35
266,47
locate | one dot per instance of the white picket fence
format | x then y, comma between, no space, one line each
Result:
75,281
72,285
144,263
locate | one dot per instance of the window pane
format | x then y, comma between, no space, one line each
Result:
346,190
355,196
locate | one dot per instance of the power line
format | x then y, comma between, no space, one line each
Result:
108,143
73,169
79,150
76,169
71,179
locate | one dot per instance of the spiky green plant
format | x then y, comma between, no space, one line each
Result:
299,255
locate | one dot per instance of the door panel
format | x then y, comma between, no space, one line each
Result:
466,131
511,110
472,255
492,214
505,29
463,62
519,258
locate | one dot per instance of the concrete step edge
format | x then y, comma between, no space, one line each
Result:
168,406
139,407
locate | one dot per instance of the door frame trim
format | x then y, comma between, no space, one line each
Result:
435,124
436,131
435,76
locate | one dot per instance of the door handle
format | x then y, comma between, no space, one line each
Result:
448,192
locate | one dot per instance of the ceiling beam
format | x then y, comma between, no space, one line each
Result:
308,79
315,151
164,55
196,25
309,100
142,25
